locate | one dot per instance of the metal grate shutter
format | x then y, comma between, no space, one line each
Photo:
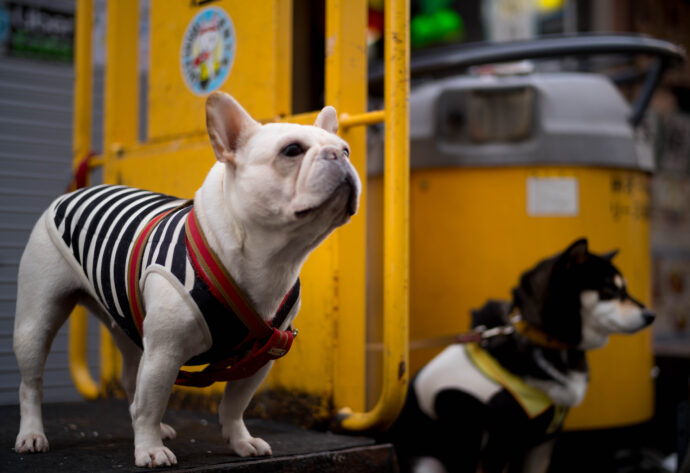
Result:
35,167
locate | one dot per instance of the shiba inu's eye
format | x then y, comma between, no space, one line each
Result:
611,292
292,150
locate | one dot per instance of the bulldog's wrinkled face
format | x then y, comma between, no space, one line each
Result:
296,172
296,178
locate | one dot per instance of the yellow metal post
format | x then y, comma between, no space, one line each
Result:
121,97
83,86
120,123
346,89
283,57
79,368
396,225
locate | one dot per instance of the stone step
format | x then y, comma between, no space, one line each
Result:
97,436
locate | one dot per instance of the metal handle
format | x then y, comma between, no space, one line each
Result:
454,59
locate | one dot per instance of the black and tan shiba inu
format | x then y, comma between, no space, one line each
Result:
495,406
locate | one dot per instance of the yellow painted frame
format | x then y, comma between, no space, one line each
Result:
81,143
346,89
396,226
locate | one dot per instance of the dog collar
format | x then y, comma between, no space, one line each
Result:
534,334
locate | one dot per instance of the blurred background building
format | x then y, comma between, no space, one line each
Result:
36,82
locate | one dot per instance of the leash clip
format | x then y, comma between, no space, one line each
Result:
496,331
486,334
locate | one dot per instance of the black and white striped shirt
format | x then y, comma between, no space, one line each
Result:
99,224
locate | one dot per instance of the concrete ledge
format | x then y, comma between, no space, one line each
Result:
97,436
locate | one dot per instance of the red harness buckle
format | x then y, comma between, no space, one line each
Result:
277,345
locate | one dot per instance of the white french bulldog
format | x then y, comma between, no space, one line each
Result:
277,191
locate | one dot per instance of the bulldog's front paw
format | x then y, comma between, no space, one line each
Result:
250,447
167,432
152,457
32,442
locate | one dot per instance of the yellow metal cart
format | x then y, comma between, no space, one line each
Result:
509,166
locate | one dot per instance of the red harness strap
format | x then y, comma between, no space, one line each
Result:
208,266
81,173
227,370
269,342
134,269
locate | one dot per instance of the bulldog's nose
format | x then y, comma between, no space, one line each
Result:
648,316
331,153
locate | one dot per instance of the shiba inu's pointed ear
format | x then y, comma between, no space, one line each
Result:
327,119
228,125
610,255
577,252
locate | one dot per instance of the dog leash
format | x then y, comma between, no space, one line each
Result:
477,335
482,334
269,343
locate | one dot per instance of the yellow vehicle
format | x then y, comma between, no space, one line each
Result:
508,165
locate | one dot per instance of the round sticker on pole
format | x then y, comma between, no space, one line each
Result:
208,50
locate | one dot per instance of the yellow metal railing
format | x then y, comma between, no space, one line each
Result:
346,89
362,119
79,368
396,225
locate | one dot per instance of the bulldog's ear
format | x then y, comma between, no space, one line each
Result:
228,125
327,119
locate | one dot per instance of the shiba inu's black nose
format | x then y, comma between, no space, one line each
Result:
648,316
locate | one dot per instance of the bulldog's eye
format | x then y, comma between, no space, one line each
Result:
292,150
346,152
